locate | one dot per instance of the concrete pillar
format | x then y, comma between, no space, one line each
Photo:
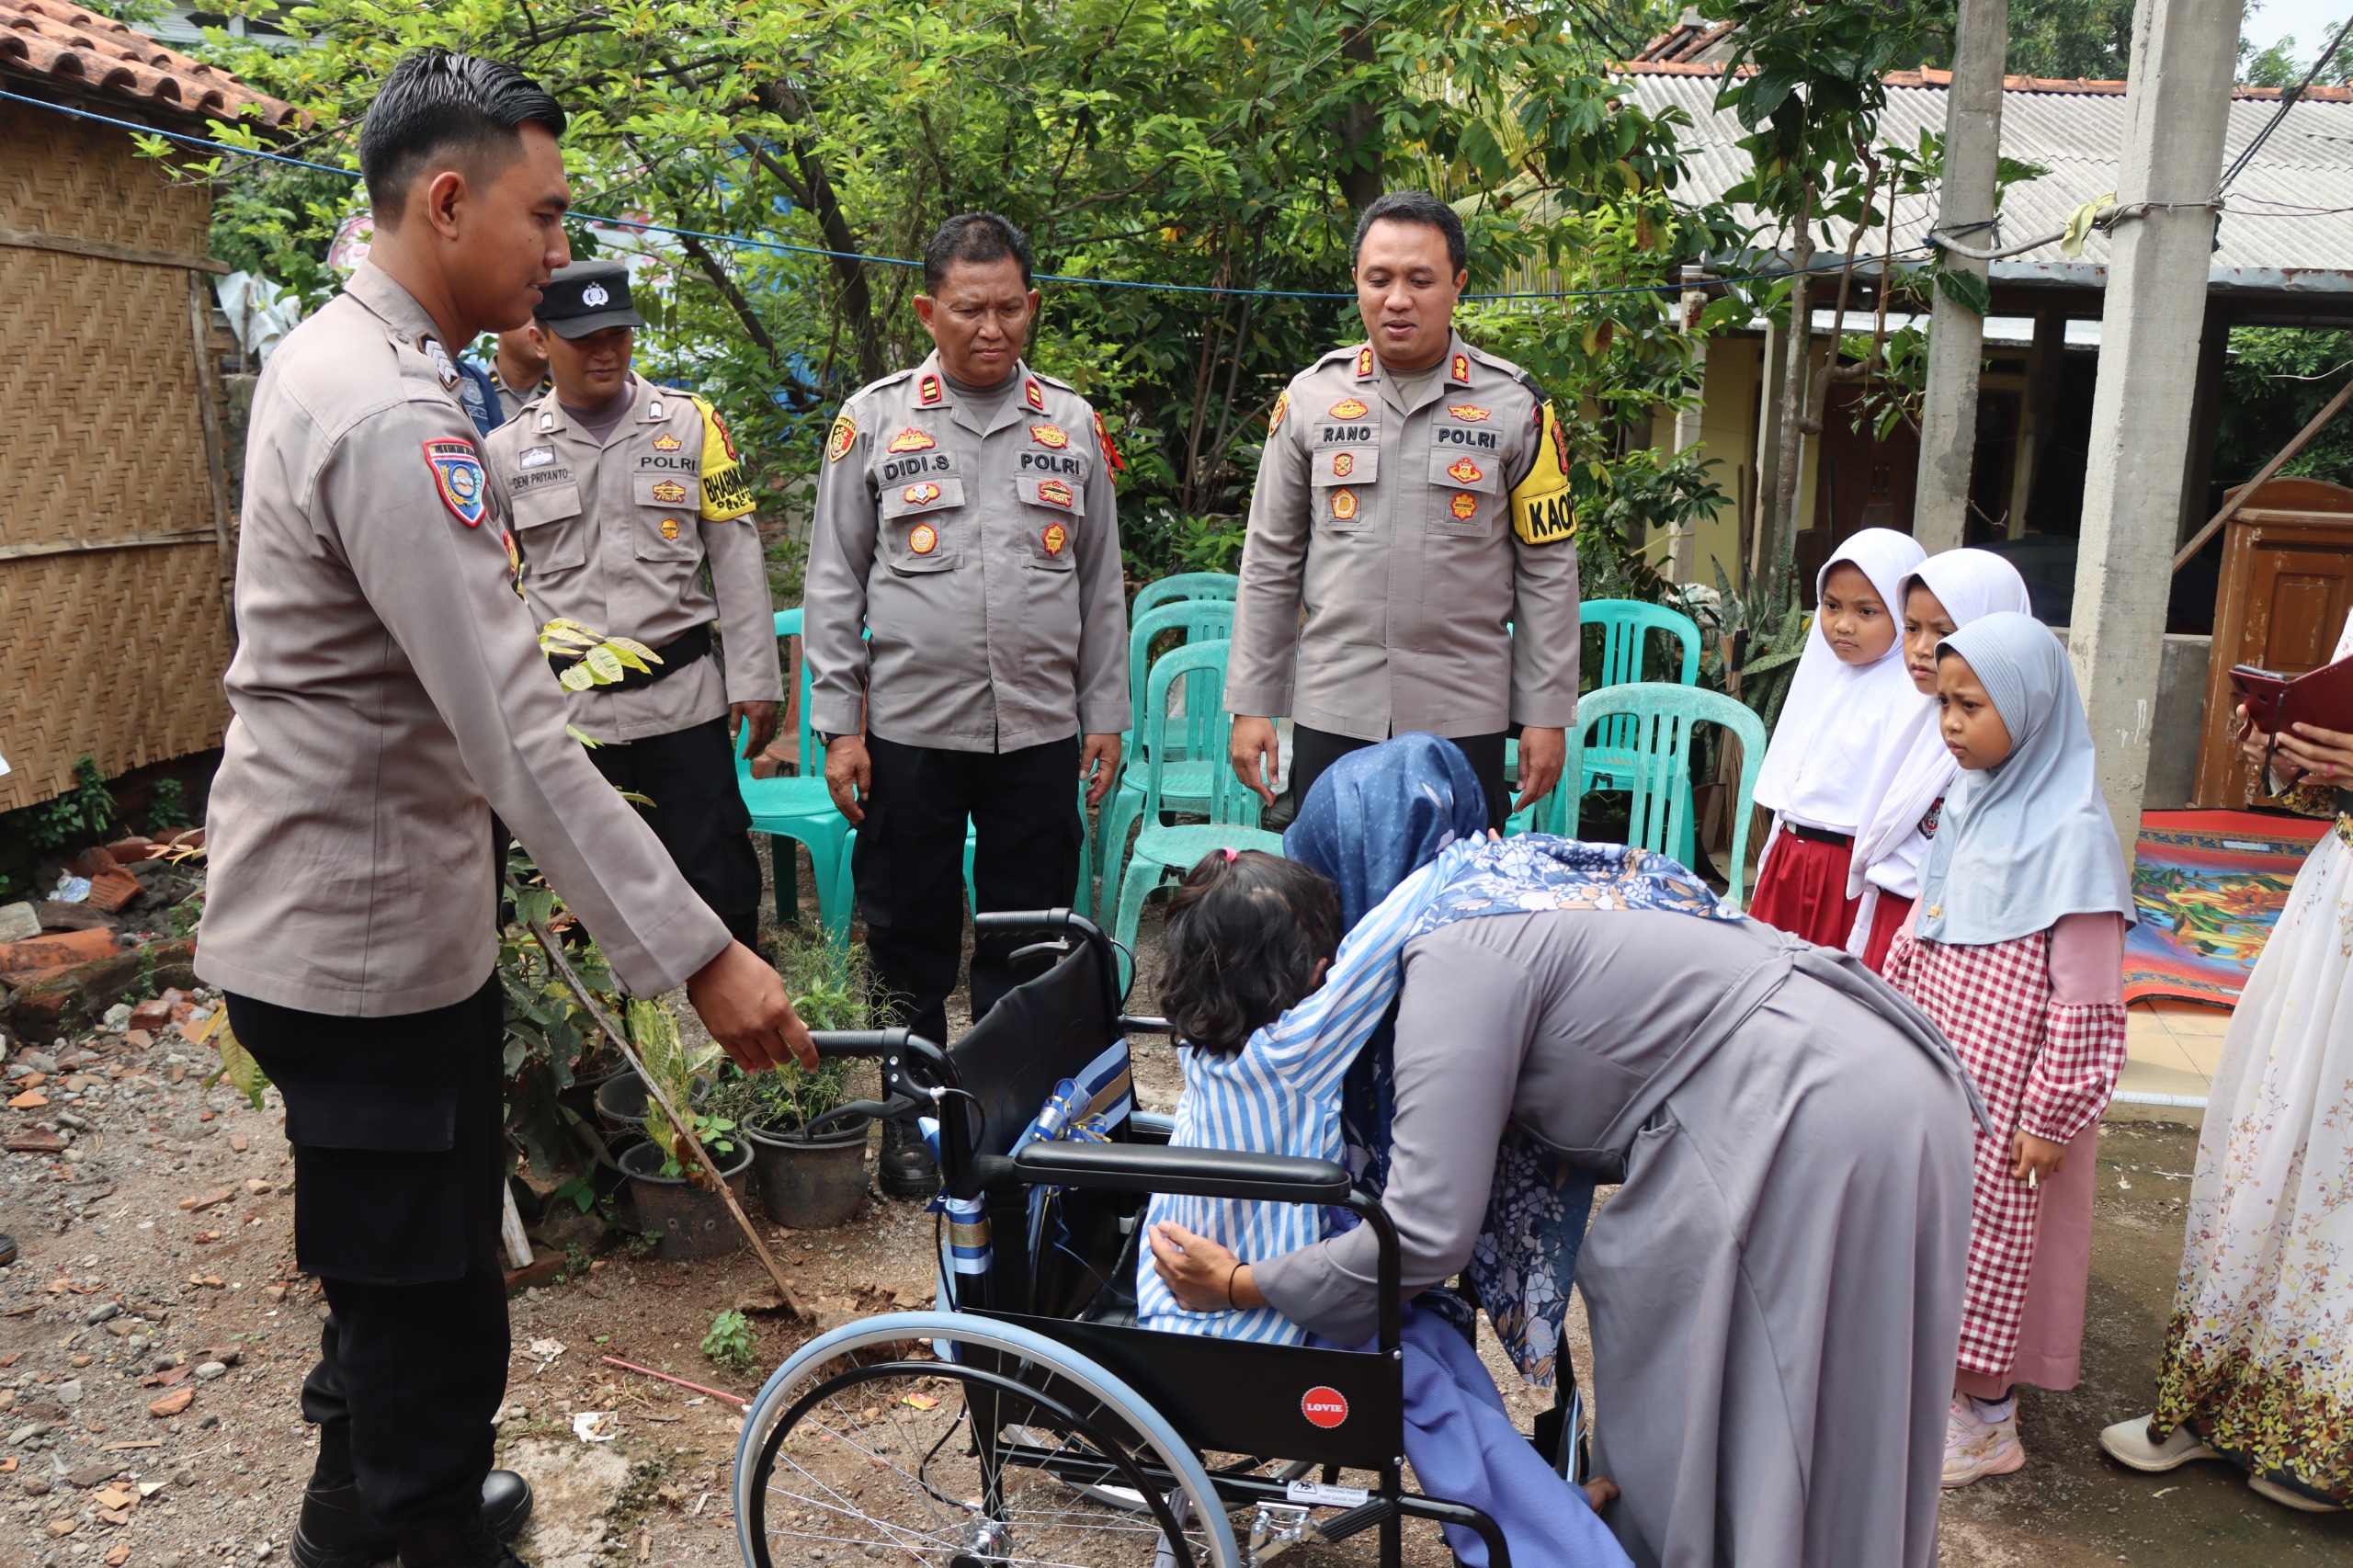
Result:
2046,367
2151,324
1956,333
1768,448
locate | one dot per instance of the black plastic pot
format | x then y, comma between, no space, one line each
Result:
622,1099
693,1223
811,1183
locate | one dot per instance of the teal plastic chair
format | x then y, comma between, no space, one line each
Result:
801,809
1193,758
1626,626
1233,809
1184,586
1658,720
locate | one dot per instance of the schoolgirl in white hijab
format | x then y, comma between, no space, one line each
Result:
1943,593
1850,698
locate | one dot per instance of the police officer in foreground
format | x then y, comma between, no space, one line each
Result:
388,692
624,495
964,513
1414,498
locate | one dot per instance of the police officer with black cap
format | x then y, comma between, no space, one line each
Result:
624,495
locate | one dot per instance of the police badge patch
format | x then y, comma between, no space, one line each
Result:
1054,539
666,442
669,492
1054,493
910,440
457,474
837,445
1052,435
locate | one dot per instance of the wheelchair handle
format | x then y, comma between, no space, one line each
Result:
998,922
895,1047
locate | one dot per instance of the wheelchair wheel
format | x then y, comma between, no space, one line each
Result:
986,1448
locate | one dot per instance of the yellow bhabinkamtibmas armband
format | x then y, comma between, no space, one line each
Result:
1541,508
725,495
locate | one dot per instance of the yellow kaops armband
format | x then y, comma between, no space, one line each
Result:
1541,506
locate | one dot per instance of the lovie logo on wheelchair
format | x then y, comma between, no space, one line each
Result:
1324,1407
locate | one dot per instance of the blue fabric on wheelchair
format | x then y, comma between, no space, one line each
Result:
1463,1448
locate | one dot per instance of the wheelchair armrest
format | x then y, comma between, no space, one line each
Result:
1142,1023
1196,1173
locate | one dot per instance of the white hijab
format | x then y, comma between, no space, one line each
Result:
1915,770
1834,725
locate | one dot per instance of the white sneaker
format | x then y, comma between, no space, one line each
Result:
2289,1498
2128,1443
1976,1450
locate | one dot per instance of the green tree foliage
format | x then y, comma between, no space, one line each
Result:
2277,378
1217,144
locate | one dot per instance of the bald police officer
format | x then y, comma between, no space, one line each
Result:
625,496
388,691
964,513
1414,500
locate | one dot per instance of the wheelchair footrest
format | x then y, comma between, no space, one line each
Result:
1348,1522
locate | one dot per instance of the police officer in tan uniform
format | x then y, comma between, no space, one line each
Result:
624,496
964,513
388,692
518,371
1413,499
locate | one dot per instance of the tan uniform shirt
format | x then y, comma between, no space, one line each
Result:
617,534
388,693
1410,536
985,557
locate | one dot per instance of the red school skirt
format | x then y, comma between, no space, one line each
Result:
1893,916
1802,887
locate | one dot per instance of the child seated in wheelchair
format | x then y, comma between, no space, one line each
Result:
1251,941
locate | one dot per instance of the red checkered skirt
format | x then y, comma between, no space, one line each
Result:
1994,1003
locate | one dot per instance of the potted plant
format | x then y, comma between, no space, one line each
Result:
673,1195
812,1165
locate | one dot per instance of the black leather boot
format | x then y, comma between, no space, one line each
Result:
461,1541
334,1533
906,1168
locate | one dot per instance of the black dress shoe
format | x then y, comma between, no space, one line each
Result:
463,1540
333,1532
906,1168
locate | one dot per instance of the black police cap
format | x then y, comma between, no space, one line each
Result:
586,296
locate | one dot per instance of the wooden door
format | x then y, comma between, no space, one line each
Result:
1858,483
2286,586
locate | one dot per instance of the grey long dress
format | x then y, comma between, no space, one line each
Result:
1774,1292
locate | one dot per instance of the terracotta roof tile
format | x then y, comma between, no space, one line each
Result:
1933,78
63,44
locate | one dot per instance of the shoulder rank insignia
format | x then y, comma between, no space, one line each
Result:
668,492
1344,504
1348,408
430,346
666,442
910,440
1050,436
920,494
1034,392
1110,453
457,474
1462,369
1469,413
1465,471
1283,407
1364,362
928,391
837,445
923,538
1054,538
1343,464
1054,493
1464,505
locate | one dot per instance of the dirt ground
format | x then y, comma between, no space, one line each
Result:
157,1261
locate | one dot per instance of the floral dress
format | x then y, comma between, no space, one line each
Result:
2041,1063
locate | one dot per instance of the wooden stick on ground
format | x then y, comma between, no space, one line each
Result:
2245,491
614,1033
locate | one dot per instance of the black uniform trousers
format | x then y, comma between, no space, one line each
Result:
909,866
1312,751
698,813
398,1157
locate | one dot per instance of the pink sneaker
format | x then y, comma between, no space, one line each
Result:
1976,1450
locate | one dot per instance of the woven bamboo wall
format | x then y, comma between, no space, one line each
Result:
116,651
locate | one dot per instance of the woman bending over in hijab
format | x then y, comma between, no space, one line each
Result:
2016,952
1774,1292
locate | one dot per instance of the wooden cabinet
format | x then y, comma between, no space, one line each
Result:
2287,584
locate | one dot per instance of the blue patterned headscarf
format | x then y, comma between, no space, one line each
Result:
1379,815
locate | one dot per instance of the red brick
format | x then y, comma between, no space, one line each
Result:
113,888
62,948
153,1016
130,851
91,862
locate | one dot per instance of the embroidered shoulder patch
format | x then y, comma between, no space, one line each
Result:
1283,407
457,474
1110,453
837,445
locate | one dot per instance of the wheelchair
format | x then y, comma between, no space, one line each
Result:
1033,1422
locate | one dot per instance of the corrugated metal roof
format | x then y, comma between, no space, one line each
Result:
2287,228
